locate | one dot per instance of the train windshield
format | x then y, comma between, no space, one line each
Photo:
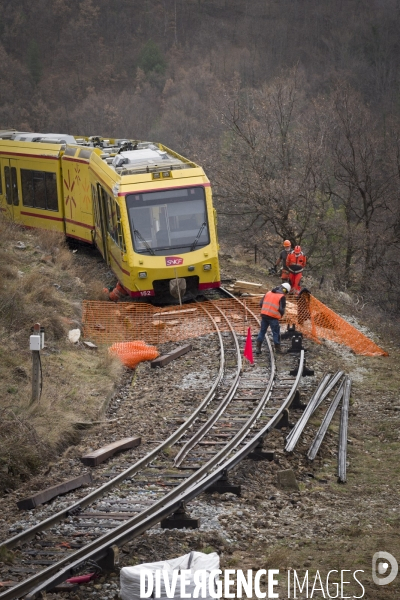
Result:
168,220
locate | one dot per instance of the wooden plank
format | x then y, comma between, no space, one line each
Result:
161,361
98,456
55,490
174,312
90,345
247,285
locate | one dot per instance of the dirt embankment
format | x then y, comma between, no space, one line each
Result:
43,280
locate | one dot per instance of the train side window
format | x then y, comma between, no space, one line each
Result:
121,239
96,208
51,191
70,152
85,153
27,188
111,218
10,176
39,189
7,178
14,186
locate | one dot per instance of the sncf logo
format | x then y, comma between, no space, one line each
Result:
173,261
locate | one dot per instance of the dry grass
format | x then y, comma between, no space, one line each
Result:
41,283
95,290
278,557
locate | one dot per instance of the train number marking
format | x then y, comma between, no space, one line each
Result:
173,261
146,293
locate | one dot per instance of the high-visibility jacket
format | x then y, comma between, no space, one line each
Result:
296,262
270,305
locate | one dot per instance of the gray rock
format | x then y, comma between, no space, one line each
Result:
287,480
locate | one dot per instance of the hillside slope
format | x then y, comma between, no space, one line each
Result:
43,281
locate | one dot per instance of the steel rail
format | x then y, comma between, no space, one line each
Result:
132,470
315,446
199,435
99,548
293,437
344,422
166,510
338,375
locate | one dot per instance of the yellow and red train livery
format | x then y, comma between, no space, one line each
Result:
148,210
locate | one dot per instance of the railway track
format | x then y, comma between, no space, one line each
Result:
239,410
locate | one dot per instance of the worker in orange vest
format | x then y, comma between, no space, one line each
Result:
282,258
272,310
296,261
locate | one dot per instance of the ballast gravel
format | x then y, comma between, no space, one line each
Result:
243,530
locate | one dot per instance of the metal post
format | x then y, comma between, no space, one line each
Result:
177,287
36,377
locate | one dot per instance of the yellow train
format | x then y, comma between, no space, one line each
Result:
147,209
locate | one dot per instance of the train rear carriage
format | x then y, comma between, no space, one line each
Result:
31,180
148,210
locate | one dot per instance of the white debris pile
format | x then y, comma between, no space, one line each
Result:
175,578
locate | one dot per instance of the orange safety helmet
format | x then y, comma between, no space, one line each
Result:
297,250
287,244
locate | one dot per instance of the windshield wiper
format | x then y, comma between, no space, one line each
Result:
141,238
193,246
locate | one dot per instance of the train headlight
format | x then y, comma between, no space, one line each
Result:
207,267
142,274
191,268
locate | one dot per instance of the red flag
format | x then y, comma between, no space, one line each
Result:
248,348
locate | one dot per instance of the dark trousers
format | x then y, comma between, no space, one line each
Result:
274,324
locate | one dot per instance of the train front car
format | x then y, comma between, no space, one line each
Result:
169,224
148,210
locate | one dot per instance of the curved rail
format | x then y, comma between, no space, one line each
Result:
221,407
192,486
163,511
132,470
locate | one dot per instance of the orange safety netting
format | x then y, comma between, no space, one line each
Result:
108,323
132,353
318,322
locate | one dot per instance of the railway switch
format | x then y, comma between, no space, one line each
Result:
297,343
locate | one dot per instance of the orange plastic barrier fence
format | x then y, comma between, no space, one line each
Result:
318,322
132,353
108,323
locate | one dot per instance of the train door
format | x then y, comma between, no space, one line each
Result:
3,202
100,227
10,193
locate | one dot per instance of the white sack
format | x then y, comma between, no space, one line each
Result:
130,576
74,335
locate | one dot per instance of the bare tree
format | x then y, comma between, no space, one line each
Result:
359,179
269,178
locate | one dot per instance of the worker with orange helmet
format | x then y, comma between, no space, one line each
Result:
283,257
296,261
